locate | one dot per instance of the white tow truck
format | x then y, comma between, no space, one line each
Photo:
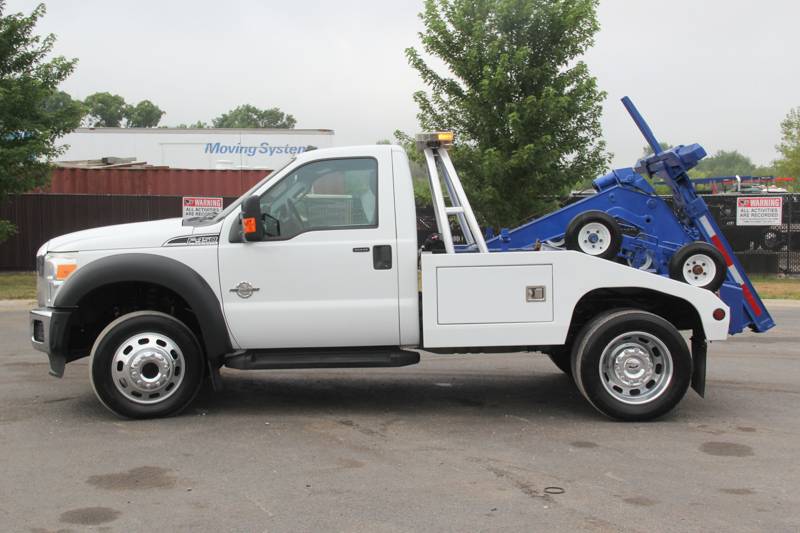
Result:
317,266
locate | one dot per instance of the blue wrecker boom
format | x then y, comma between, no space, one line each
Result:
653,231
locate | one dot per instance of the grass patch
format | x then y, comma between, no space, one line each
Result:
22,286
778,288
17,285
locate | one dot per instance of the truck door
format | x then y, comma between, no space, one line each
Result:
327,275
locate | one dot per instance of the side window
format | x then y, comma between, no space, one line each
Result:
330,194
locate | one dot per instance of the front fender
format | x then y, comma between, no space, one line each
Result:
158,270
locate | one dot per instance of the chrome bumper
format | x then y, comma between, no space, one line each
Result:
40,329
43,323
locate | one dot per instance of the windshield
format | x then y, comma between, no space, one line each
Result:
225,212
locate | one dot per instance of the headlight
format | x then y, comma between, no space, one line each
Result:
58,266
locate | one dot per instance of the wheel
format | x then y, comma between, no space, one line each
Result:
699,264
146,365
631,365
561,357
594,233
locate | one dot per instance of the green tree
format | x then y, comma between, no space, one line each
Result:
33,113
196,125
417,165
647,150
789,163
249,116
145,114
724,163
105,110
525,109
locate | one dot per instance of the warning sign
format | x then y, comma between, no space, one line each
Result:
194,206
759,211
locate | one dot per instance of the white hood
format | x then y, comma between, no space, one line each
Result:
150,234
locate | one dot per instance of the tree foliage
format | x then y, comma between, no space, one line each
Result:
200,124
725,163
525,109
789,147
145,114
33,113
249,116
105,110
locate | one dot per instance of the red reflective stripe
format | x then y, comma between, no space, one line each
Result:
751,300
721,248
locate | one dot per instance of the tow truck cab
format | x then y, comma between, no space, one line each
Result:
317,266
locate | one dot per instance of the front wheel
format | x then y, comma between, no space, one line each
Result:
146,365
631,365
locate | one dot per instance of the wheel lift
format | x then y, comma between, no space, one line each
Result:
649,234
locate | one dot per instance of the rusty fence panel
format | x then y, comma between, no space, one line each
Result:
40,217
153,181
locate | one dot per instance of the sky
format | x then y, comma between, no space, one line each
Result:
723,73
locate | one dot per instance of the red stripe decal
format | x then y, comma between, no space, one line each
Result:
721,248
752,301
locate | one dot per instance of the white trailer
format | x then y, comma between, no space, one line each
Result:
204,148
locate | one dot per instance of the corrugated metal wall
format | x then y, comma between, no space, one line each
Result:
154,181
40,217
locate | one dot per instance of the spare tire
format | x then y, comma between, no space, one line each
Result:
594,233
699,264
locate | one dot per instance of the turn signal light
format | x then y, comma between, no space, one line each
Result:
719,314
249,224
64,270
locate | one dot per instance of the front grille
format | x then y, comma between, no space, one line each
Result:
38,331
40,265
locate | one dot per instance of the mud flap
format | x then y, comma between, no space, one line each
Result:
699,350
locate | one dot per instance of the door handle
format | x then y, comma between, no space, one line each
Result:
382,257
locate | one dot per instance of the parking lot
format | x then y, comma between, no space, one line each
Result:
457,443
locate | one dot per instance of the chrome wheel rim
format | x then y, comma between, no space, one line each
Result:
699,270
594,238
148,368
636,368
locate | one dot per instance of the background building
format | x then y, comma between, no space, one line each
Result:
188,148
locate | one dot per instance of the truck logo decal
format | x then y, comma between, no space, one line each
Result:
194,240
244,289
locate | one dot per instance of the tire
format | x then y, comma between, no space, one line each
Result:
651,357
146,365
561,356
594,233
699,264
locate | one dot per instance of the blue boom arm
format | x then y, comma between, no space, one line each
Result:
652,229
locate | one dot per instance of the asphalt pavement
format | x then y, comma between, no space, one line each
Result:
456,443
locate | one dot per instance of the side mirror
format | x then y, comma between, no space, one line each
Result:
252,220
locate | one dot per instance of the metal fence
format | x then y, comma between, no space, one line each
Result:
39,217
770,249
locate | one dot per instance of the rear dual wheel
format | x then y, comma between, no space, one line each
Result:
631,365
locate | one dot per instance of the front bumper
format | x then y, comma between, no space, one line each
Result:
48,330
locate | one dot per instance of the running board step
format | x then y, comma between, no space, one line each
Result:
309,358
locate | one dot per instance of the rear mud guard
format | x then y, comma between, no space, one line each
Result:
699,351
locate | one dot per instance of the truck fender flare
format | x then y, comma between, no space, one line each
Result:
158,270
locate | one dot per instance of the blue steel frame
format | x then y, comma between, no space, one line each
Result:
652,230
